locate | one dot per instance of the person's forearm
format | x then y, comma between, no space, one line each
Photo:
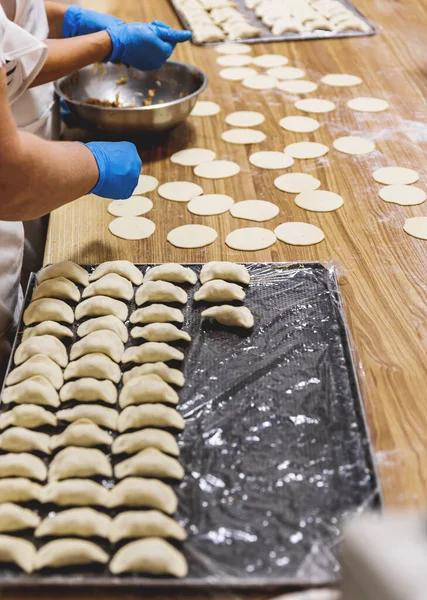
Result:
55,12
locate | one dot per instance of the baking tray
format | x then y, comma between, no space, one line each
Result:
276,447
267,36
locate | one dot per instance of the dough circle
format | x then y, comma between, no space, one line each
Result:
132,228
315,105
297,86
299,124
210,204
405,195
340,80
286,73
133,207
353,144
306,150
260,82
296,183
233,48
269,159
205,108
319,201
395,176
255,210
146,183
417,227
192,236
234,60
243,136
244,118
237,73
367,104
217,169
179,191
267,61
250,238
192,156
297,233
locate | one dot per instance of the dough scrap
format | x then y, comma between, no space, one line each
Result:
192,236
68,551
260,82
150,493
30,416
96,365
315,105
271,160
405,195
81,433
121,267
217,169
19,489
77,492
297,86
231,316
111,285
18,551
228,271
341,80
173,272
157,313
79,462
143,524
44,344
395,176
132,228
88,389
179,191
244,118
217,290
48,309
255,210
191,157
82,522
231,48
149,555
147,389
150,462
160,332
160,291
319,201
299,234
210,204
367,104
205,108
151,352
306,150
109,322
34,390
58,287
146,183
173,376
19,439
267,61
17,518
295,183
299,124
100,415
130,443
103,341
243,136
417,227
250,239
237,60
22,465
47,328
101,306
38,364
237,73
67,269
132,207
353,144
150,415
286,73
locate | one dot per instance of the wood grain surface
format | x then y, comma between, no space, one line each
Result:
383,270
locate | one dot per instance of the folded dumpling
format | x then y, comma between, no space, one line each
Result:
82,522
219,291
58,287
17,551
149,415
109,322
151,352
150,462
81,433
130,443
173,376
79,462
160,332
47,328
121,267
95,365
75,492
38,364
17,518
172,272
157,313
48,309
22,465
150,555
111,285
228,271
102,341
44,344
37,390
67,269
160,291
19,439
101,306
150,493
69,551
147,523
231,316
29,416
19,489
147,388
100,415
89,389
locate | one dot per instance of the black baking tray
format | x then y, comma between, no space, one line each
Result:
267,36
276,448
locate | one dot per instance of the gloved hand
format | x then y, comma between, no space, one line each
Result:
119,168
144,46
79,21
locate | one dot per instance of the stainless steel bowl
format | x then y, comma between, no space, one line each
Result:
176,86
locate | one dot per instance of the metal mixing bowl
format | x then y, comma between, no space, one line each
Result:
176,87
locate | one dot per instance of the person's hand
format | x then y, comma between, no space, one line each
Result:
144,46
119,168
80,21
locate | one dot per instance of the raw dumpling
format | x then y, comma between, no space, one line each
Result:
149,415
37,390
150,493
111,285
150,462
47,328
171,272
130,443
160,291
219,291
150,555
67,269
19,439
39,364
157,313
94,365
16,518
232,316
22,465
48,309
224,270
103,341
100,306
147,523
82,433
89,389
68,551
17,551
109,322
160,332
59,287
19,490
79,462
43,344
168,374
82,522
29,416
77,492
145,389
100,415
121,267
151,352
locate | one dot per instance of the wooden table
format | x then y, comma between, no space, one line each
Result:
383,270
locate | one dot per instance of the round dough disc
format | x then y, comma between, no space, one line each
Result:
192,236
405,195
237,73
306,150
179,191
353,144
254,210
299,124
271,160
146,183
260,82
205,108
319,201
286,73
244,118
315,105
192,156
297,86
395,176
340,80
133,207
417,227
132,228
210,204
234,60
243,136
296,183
267,61
365,104
299,234
233,49
217,169
250,238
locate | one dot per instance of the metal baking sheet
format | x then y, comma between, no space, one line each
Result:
276,448
267,36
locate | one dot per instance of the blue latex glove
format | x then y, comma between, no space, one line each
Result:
79,21
119,168
144,46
